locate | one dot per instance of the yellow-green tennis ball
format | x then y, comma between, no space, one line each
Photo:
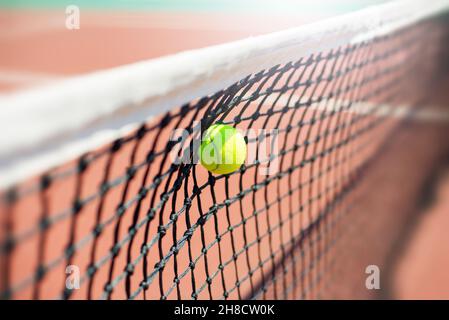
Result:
223,149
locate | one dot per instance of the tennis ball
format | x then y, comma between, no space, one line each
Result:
223,149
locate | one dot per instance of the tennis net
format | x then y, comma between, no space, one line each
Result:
344,121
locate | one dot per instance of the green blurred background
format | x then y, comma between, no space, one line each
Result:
200,5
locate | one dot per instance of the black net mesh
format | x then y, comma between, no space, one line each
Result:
327,185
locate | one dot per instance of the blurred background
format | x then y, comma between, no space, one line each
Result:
38,47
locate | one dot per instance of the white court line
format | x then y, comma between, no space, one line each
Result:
47,158
26,77
130,21
147,22
423,114
175,23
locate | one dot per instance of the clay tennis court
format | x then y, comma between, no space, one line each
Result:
39,50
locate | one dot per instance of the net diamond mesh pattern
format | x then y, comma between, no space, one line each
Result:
309,210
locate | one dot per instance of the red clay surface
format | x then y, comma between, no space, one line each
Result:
423,271
38,44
